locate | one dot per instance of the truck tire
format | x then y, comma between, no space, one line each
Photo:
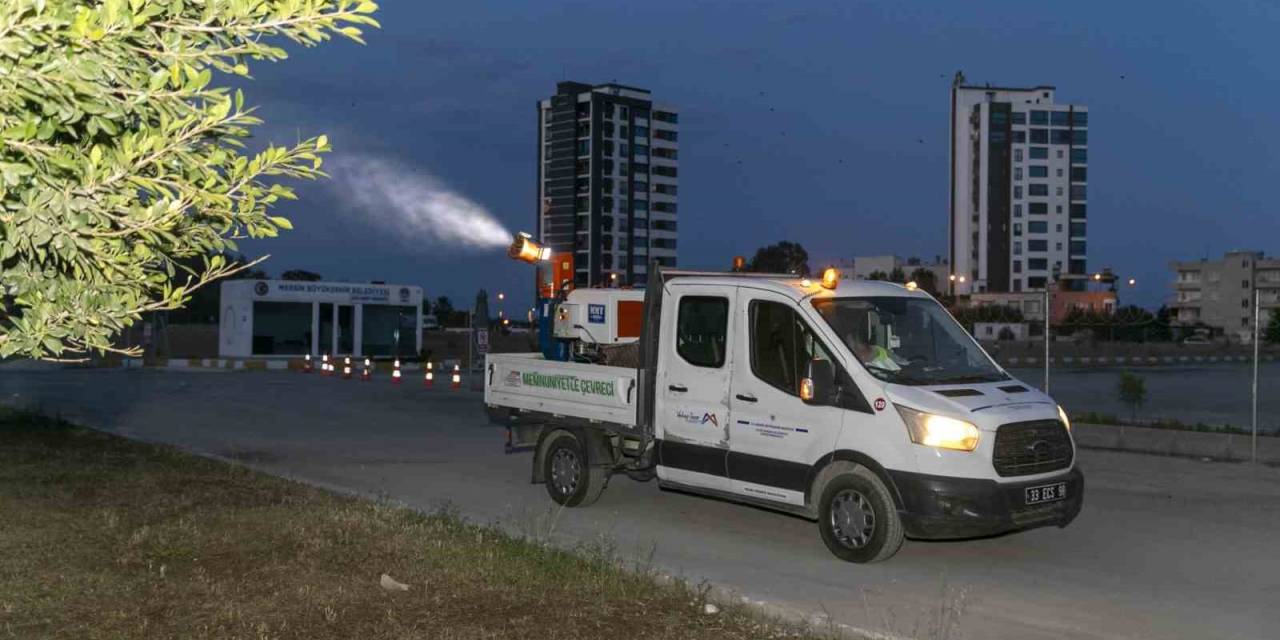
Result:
857,518
570,478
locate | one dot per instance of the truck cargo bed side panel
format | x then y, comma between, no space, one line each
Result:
587,391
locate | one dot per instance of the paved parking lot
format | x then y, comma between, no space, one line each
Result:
1164,548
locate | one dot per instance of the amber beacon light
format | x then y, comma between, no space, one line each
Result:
830,278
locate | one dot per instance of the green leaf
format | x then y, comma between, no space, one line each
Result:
282,222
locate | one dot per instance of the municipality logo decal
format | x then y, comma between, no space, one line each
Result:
693,418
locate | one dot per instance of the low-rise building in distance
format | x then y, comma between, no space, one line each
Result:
1220,294
883,268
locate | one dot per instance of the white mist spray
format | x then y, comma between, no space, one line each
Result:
420,207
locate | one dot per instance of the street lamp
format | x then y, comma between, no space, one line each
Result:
502,296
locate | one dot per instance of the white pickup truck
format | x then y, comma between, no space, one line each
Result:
867,408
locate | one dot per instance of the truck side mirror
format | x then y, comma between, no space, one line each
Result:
818,386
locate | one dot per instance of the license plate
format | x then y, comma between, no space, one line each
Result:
1046,493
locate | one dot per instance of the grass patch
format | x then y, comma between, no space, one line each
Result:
103,537
1093,417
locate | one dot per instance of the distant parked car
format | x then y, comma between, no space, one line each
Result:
1197,339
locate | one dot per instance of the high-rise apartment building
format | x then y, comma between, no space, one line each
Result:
607,181
1221,293
1019,176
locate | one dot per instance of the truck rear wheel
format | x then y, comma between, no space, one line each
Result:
571,480
857,518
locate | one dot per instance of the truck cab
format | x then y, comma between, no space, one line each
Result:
864,406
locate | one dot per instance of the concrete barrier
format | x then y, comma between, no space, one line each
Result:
1175,442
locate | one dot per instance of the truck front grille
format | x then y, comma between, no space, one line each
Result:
1028,448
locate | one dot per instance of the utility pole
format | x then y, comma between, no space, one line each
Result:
1046,338
1057,272
1257,335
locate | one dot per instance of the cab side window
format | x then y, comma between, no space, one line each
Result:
702,328
781,346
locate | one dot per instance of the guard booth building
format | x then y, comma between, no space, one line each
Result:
283,318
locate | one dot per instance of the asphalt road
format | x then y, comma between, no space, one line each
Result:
1165,547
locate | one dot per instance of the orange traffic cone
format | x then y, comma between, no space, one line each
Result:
429,378
395,373
306,364
325,367
346,368
366,374
456,382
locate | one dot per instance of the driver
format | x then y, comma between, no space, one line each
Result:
869,354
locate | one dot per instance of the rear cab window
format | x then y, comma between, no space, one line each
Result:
702,329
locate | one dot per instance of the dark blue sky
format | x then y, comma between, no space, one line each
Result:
822,123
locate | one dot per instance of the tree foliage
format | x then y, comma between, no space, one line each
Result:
783,257
926,280
968,316
301,275
1132,389
1126,324
121,160
1272,332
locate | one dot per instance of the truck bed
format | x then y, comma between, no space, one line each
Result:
529,382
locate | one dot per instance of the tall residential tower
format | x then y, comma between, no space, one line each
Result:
607,174
1019,171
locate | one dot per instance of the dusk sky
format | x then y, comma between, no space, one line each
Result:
821,123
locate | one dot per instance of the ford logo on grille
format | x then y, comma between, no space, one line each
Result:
1038,448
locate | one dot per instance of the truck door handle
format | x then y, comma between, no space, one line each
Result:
678,388
746,398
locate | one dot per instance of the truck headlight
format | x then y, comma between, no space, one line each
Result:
939,431
1062,415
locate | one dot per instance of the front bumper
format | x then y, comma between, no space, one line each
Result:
941,507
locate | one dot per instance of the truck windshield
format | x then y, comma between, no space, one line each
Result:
911,341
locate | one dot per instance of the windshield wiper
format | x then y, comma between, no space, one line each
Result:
982,377
896,375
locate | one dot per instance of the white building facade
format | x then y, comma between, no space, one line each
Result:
608,176
289,318
1019,188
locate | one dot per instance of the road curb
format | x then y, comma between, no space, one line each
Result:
1230,447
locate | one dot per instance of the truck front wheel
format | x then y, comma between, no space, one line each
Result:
857,518
571,480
